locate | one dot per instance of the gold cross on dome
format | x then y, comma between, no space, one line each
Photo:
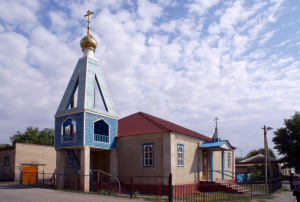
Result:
88,15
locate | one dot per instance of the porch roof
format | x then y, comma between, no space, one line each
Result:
220,145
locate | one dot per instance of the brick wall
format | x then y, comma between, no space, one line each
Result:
42,155
7,169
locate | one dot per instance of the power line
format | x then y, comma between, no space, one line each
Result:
251,136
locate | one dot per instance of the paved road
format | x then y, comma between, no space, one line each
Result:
11,193
286,196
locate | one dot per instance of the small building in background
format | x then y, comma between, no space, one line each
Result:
31,158
243,166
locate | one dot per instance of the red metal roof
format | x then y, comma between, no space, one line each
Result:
142,123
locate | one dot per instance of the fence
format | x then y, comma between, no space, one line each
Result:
38,179
160,186
224,191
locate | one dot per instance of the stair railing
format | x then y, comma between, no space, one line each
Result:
232,174
100,171
220,171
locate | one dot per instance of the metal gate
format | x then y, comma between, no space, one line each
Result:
29,174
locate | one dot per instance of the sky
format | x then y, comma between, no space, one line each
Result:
184,61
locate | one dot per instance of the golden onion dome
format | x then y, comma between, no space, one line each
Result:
88,42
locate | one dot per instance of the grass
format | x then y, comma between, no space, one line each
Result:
156,198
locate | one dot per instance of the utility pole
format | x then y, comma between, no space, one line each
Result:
267,154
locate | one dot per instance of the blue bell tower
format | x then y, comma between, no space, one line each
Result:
86,121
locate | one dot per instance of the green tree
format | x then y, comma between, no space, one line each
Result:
287,141
238,159
260,151
4,145
257,172
34,136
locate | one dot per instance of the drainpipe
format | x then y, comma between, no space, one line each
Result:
211,165
223,164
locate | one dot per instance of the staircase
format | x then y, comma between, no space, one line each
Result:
74,160
227,186
231,187
76,164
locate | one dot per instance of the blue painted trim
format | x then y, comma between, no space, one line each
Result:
143,146
180,145
211,165
223,164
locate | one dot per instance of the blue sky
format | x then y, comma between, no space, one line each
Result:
184,61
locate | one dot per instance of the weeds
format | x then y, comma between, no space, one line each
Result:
106,192
136,194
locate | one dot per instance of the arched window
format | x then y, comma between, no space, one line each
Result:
101,131
148,155
68,130
180,155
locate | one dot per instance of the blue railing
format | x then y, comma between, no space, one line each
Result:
242,177
101,138
69,137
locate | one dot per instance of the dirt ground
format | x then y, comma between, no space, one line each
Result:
10,192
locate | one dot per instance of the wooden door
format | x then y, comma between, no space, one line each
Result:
29,174
205,165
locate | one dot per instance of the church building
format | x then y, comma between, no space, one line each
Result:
89,136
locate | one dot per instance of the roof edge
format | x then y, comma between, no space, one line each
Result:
154,122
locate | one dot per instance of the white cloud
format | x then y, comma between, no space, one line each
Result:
187,67
200,7
19,14
147,13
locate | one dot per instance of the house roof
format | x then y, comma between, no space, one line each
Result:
7,148
142,123
259,158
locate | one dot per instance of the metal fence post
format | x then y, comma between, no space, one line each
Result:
54,179
229,190
21,173
170,188
75,185
131,186
37,178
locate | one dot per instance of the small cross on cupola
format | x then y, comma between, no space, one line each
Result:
88,21
216,137
88,43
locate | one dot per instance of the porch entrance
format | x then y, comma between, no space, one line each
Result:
205,172
100,160
29,174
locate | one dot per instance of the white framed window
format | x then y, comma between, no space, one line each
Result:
180,155
229,160
148,157
101,131
69,130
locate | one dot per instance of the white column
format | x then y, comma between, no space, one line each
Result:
85,169
61,161
113,162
